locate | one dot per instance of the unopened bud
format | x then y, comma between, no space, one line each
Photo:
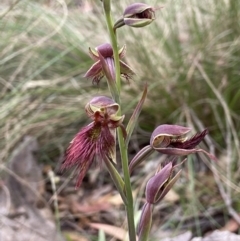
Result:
160,184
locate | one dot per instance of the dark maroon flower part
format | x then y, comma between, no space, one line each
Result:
191,142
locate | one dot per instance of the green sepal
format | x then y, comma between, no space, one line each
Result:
137,22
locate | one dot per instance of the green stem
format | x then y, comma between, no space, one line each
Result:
121,141
128,188
107,8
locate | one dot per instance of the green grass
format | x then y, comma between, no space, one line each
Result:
189,56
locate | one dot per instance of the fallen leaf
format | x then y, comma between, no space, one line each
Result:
115,200
231,226
114,231
89,208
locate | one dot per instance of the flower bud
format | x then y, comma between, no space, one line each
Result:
160,184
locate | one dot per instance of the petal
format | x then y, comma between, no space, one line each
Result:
93,54
122,51
183,152
109,71
167,131
95,72
155,184
102,104
105,50
108,68
119,23
126,70
168,186
137,22
136,8
171,130
102,101
176,151
116,121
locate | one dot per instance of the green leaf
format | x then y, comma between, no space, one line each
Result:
117,179
134,118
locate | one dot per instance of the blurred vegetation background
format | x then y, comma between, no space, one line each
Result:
189,56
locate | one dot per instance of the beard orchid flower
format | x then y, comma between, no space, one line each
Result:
96,140
104,64
136,15
171,140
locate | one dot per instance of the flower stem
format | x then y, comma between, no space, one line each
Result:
121,141
128,188
107,10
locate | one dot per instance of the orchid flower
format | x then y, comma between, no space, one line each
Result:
171,140
103,55
96,140
136,15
